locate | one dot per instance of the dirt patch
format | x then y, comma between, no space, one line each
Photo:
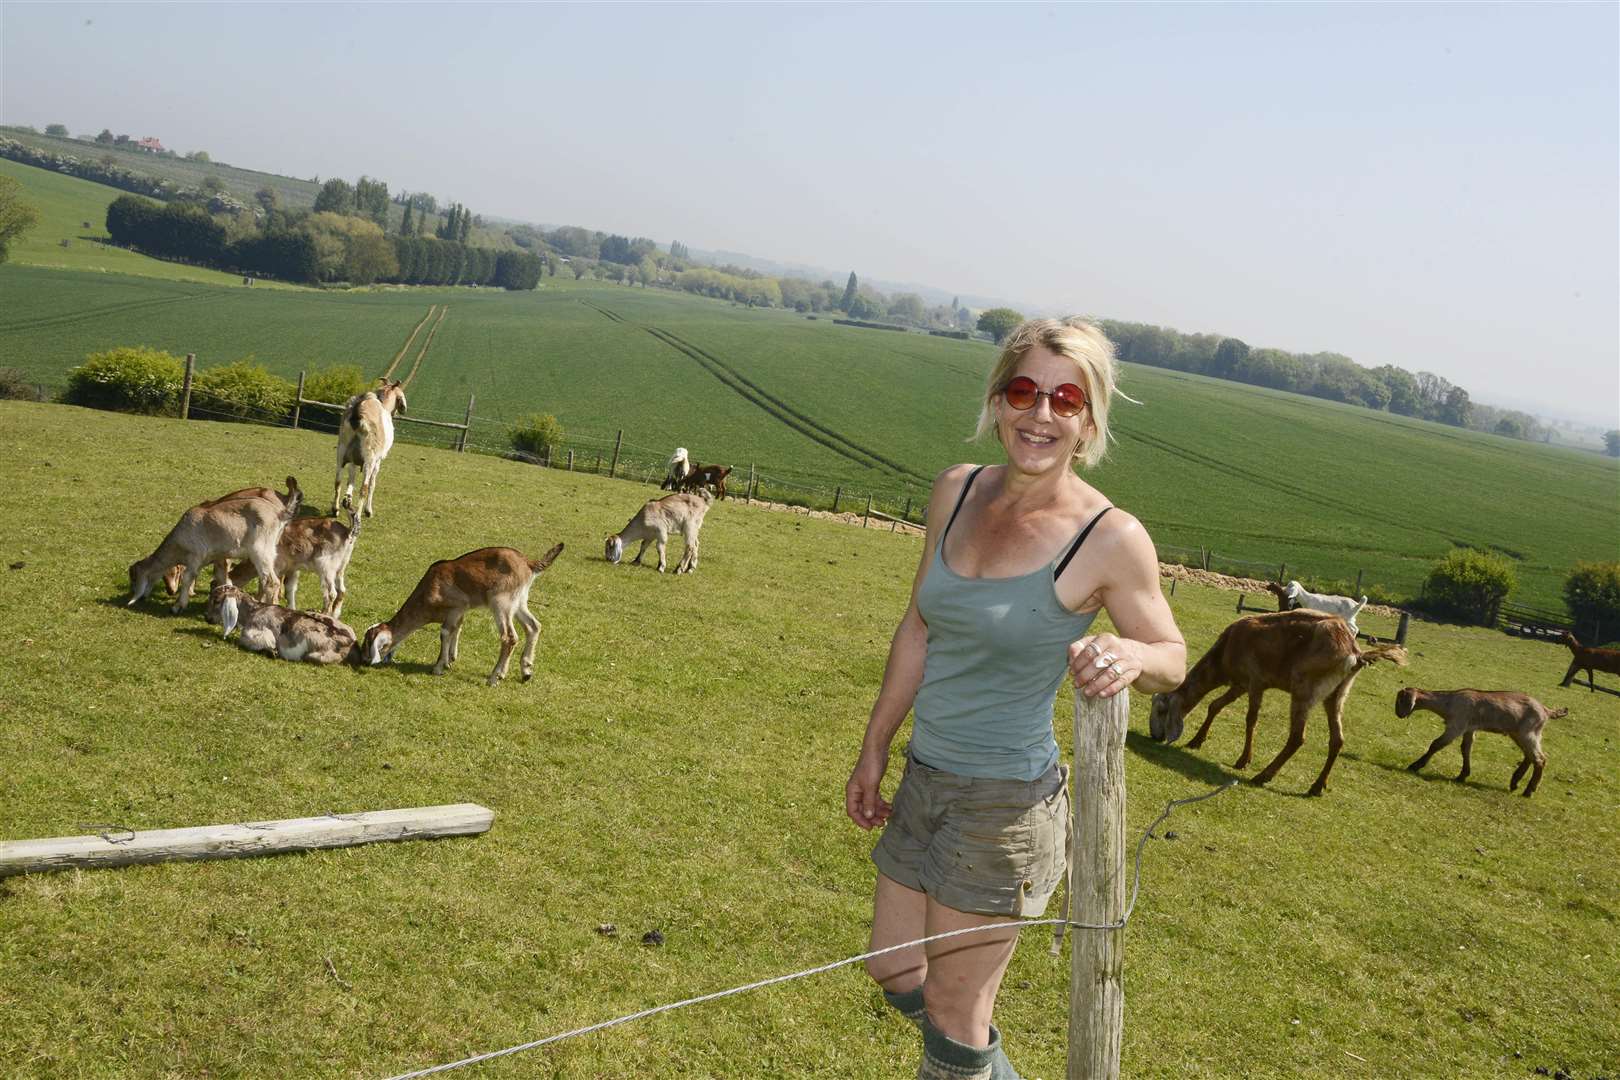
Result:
1247,585
842,517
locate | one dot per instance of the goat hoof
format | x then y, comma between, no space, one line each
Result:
1316,789
527,675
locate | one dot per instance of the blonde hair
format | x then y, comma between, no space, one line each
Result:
1092,353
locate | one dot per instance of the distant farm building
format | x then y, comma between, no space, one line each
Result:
150,145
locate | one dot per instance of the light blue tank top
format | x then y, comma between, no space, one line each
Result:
997,652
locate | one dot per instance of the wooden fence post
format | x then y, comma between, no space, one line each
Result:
598,469
1282,573
868,509
1097,885
748,496
836,494
1400,630
1357,589
185,388
462,448
298,402
570,461
906,513
617,442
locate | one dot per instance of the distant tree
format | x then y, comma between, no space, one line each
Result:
1611,443
16,215
551,265
580,267
213,185
999,322
1228,355
405,224
106,138
464,228
1510,427
678,250
122,140
371,201
1403,390
336,197
56,129
199,155
850,292
907,307
267,198
1456,409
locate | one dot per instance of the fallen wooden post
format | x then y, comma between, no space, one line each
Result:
125,847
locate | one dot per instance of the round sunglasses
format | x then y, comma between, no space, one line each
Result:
1021,392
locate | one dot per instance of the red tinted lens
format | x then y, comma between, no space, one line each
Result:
1068,399
1020,392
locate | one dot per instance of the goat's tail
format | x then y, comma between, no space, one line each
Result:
545,560
1557,714
1393,653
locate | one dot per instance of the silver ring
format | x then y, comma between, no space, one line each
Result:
1117,670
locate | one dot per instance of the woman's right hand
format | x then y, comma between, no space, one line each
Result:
862,801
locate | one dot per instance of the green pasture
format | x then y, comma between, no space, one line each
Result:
677,763
65,203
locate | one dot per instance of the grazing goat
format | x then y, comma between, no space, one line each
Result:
1589,659
322,544
679,465
1294,596
281,631
365,435
1310,654
171,579
655,521
214,532
707,476
495,577
1518,716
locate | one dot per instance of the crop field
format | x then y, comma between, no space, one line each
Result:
1261,478
677,763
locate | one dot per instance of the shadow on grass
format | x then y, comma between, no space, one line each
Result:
1178,760
1438,774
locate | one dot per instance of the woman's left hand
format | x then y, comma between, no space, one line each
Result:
1103,664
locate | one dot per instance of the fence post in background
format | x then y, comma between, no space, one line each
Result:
748,496
185,388
618,440
298,402
598,469
1097,884
836,493
868,509
906,513
1400,630
545,455
462,448
1282,573
1209,553
570,461
1357,589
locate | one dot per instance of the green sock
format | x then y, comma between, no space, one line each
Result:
946,1059
908,1004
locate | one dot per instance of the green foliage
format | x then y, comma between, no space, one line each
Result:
539,434
1470,584
999,322
59,130
241,391
1592,592
132,378
336,384
371,201
14,386
17,215
1611,443
336,197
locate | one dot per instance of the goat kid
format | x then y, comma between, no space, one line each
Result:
365,435
679,465
498,578
654,522
1518,716
214,532
1589,658
280,631
706,477
320,544
1310,654
1294,595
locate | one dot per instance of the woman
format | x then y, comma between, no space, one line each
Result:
1020,557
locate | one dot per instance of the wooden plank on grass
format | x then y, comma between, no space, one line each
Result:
122,847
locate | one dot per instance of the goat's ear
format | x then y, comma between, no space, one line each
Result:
228,616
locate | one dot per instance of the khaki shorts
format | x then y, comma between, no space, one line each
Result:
990,847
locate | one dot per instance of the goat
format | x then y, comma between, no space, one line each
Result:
322,544
365,435
706,476
1590,659
171,578
679,465
1310,654
494,577
281,631
654,522
1518,716
213,532
1294,596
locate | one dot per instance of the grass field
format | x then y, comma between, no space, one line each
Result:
677,763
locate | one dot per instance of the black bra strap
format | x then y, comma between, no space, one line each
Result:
1085,532
960,499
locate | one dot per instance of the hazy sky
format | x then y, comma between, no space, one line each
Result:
1431,186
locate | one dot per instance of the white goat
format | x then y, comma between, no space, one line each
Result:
495,577
240,528
322,544
1297,596
280,631
365,435
655,521
676,471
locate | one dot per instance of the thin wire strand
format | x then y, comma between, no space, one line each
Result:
806,973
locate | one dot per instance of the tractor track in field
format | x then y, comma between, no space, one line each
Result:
46,322
416,366
780,410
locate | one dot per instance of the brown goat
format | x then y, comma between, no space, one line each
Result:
1518,716
1310,654
1589,659
709,476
